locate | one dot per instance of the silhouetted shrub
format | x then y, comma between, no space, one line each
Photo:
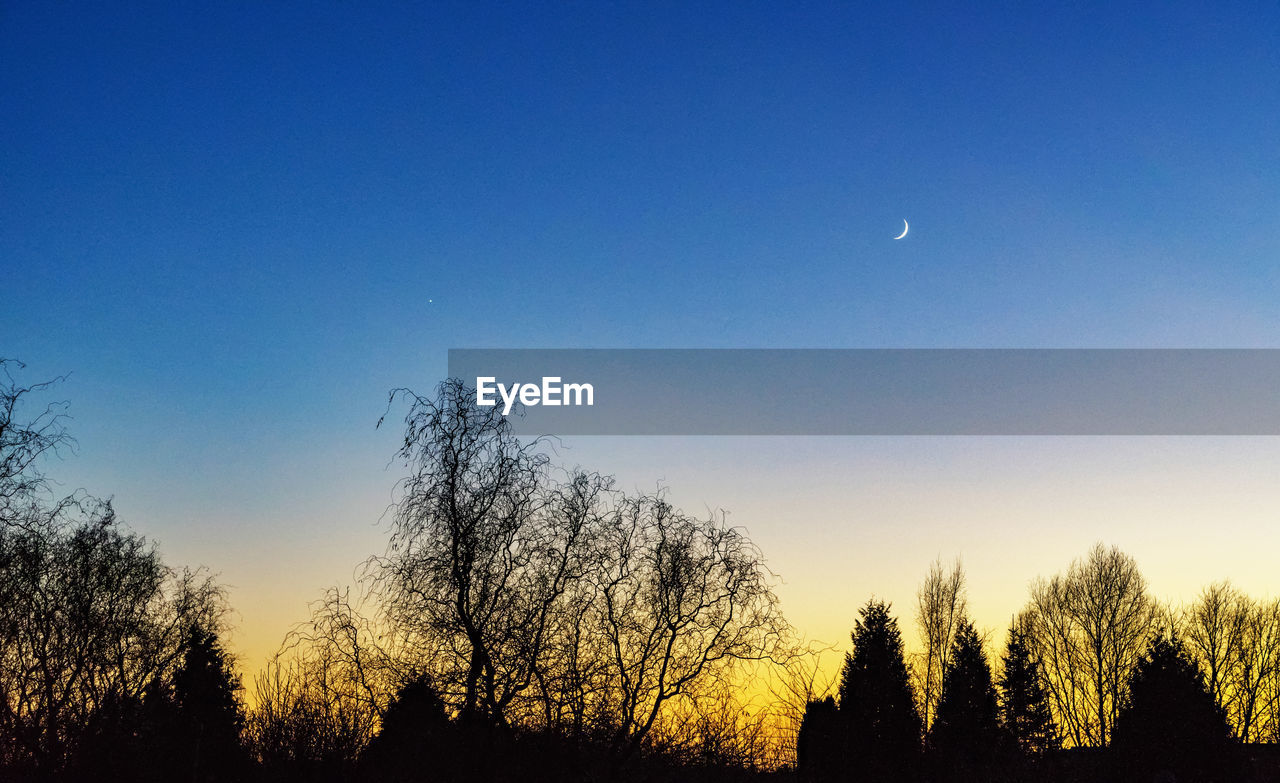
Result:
819,743
416,736
119,743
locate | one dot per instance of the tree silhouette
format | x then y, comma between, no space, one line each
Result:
819,741
90,619
877,705
797,687
1170,724
1024,705
1213,628
208,715
560,605
682,600
1252,708
466,547
318,700
24,438
1088,630
1235,640
416,735
966,732
940,606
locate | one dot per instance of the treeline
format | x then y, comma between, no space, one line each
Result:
109,658
1095,681
522,618
526,621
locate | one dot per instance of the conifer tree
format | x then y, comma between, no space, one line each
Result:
965,736
1024,705
207,713
1171,724
877,705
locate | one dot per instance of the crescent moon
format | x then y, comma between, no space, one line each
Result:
905,229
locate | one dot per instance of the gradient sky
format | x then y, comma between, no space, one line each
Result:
239,226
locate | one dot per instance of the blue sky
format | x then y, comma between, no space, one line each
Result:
238,226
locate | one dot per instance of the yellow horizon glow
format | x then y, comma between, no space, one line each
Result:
843,520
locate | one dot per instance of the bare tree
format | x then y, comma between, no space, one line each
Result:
1213,627
1055,642
796,684
1256,666
556,603
682,601
940,607
320,698
464,545
1088,630
565,664
1260,674
89,616
25,437
718,727
1236,641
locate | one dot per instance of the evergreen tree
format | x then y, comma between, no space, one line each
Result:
1170,725
1024,705
204,738
965,735
877,706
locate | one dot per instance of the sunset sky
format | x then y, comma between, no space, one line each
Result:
238,227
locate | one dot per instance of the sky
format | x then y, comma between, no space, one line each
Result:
237,227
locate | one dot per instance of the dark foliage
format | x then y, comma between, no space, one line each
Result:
120,743
877,705
965,737
416,735
1170,727
819,743
189,731
1024,705
204,737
